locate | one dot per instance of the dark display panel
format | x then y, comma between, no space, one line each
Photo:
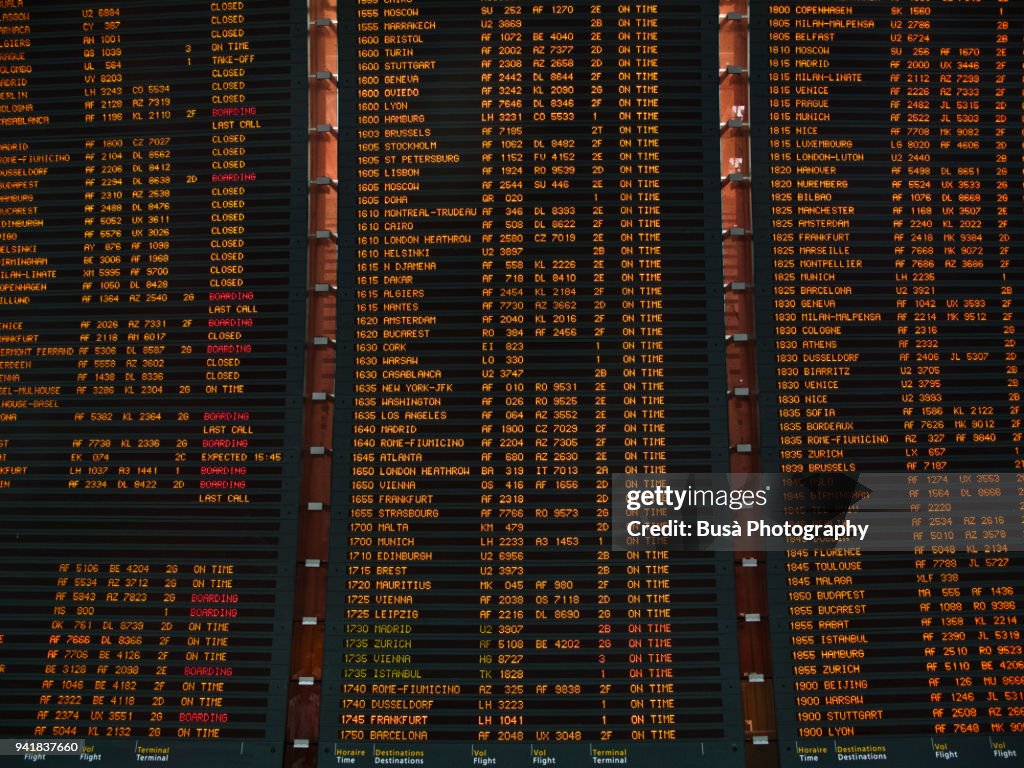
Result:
887,162
152,280
530,302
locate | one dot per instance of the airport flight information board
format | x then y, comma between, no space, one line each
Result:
887,160
531,302
152,302
530,312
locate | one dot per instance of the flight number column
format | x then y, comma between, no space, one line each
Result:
494,143
512,385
